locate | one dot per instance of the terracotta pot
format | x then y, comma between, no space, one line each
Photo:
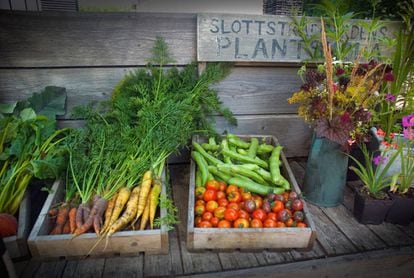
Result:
402,211
368,210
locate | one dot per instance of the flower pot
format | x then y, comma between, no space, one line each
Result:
402,210
325,175
368,210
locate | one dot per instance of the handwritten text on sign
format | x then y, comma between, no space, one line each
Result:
268,38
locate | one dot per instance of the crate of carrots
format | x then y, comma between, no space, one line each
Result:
243,195
124,227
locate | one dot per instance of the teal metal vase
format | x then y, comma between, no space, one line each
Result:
325,175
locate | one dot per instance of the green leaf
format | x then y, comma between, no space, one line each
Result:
7,108
27,114
50,102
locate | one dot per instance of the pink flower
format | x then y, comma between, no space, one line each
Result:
409,133
380,132
346,118
379,159
408,121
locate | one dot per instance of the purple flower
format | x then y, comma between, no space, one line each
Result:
388,77
376,160
408,121
390,97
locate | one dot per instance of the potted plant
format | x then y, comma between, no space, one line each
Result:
402,192
371,202
338,99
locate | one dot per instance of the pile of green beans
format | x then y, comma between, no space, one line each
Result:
251,165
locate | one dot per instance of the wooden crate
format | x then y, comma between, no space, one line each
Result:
227,239
17,245
121,243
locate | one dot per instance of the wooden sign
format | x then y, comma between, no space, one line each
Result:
255,38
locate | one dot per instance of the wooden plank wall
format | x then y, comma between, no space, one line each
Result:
89,53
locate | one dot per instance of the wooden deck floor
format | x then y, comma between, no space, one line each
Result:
343,248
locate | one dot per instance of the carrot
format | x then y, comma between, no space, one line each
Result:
145,214
108,212
98,208
153,201
60,220
66,228
129,213
79,215
97,224
121,200
52,212
143,194
72,219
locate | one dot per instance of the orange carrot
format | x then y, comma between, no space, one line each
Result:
108,212
66,228
98,208
60,220
72,219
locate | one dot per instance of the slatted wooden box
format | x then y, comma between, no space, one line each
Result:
17,245
223,239
43,245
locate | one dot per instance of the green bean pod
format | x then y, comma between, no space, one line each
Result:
202,165
211,159
236,141
274,163
254,145
245,159
225,177
264,148
240,170
254,187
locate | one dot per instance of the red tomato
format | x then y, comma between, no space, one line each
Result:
280,224
297,205
221,195
224,224
246,196
289,222
199,192
285,196
210,195
279,197
244,214
219,212
249,205
267,207
211,205
199,210
234,206
258,200
301,225
234,196
197,221
283,215
259,214
269,223
205,224
241,223
272,215
277,206
256,223
298,216
213,184
231,188
288,204
207,216
223,186
293,195
223,202
200,203
214,221
231,214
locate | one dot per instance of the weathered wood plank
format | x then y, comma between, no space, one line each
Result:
70,269
90,267
123,267
238,260
277,257
31,269
330,237
192,262
298,171
316,252
246,91
18,5
51,269
382,263
391,235
20,266
32,5
359,234
5,5
102,39
409,230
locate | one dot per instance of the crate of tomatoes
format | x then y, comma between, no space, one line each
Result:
243,195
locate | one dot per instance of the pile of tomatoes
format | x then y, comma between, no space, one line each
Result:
222,206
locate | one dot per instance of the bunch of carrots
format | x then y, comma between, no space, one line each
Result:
123,210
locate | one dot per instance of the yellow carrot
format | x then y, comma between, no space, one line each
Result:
145,214
121,200
108,213
154,199
143,194
129,213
